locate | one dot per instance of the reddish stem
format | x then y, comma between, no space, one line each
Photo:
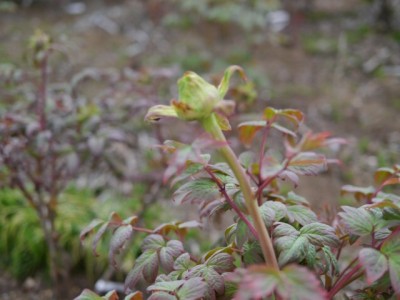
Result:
231,202
346,280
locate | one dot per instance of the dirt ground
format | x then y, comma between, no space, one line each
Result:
341,71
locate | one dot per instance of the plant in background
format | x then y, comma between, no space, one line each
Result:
53,137
277,247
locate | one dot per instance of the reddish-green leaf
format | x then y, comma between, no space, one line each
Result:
121,235
360,193
88,229
292,282
300,284
248,130
153,242
134,296
308,163
374,262
149,263
383,174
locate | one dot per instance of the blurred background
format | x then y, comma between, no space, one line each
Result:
76,78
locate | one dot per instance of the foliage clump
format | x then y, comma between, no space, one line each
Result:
277,247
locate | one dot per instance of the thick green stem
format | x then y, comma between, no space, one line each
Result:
211,126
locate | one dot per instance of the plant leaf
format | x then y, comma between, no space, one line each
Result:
88,295
155,113
248,130
192,289
358,221
360,193
308,163
89,228
121,235
320,234
221,262
300,284
134,296
383,174
374,262
391,248
153,242
224,84
197,191
301,214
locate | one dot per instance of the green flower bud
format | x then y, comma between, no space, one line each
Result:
197,98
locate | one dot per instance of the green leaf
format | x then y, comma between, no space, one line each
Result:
192,289
320,234
224,84
301,214
214,280
332,264
290,245
359,221
223,122
267,214
197,191
374,262
221,262
279,209
88,295
166,286
162,296
270,113
183,262
252,253
391,248
292,198
308,163
155,113
242,233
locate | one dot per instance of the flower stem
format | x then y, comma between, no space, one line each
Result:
211,126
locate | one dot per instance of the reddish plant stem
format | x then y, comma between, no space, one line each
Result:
270,179
231,202
346,280
145,230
